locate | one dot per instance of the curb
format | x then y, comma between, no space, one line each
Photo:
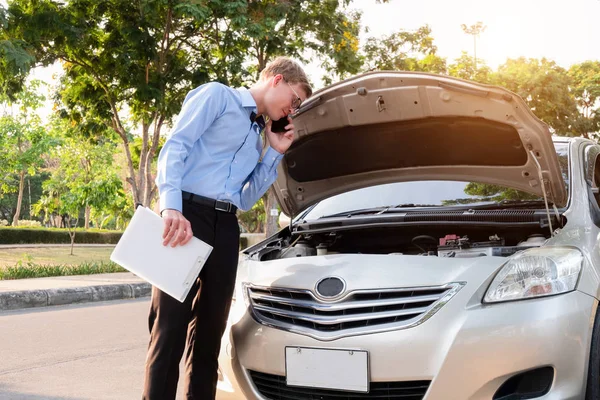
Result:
57,297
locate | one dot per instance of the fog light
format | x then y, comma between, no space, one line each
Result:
526,385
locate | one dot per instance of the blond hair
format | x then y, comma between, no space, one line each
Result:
292,72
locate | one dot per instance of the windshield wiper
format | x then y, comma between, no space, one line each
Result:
377,210
511,204
406,205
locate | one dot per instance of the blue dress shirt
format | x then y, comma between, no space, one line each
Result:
214,150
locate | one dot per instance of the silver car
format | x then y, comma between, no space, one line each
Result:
443,245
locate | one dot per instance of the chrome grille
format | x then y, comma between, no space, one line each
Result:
359,312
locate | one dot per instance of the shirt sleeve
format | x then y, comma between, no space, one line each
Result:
260,179
201,107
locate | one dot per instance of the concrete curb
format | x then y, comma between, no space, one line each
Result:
56,297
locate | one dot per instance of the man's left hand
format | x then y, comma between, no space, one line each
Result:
283,140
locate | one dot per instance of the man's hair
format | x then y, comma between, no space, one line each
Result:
292,72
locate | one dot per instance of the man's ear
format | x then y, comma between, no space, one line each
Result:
277,78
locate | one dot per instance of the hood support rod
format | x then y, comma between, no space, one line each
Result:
541,178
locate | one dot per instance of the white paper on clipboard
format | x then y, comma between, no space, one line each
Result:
171,269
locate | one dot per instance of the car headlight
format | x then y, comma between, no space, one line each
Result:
537,272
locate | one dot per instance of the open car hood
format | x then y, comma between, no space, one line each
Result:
384,127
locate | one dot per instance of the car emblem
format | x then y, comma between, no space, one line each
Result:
330,287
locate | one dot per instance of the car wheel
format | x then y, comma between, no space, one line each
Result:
592,391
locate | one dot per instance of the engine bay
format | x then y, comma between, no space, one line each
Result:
455,242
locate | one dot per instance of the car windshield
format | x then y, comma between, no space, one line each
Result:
430,194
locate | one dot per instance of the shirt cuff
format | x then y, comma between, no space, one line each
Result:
272,157
171,199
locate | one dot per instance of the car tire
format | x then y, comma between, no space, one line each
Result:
592,391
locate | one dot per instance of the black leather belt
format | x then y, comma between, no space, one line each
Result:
218,205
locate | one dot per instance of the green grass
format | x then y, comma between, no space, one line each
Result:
79,229
31,270
55,255
39,262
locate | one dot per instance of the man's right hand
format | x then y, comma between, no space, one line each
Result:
178,230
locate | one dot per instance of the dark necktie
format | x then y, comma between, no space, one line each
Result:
260,121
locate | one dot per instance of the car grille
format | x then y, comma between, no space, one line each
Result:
273,387
359,312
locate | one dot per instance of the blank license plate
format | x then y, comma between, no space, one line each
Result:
327,368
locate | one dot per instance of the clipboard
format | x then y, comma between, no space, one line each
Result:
171,269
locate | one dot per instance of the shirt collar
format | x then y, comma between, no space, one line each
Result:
247,99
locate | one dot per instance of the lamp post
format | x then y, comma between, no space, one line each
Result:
474,30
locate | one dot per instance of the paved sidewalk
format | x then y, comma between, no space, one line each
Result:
42,292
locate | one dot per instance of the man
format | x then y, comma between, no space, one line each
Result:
207,168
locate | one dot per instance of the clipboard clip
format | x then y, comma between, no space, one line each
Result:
195,271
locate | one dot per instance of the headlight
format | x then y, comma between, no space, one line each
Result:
536,272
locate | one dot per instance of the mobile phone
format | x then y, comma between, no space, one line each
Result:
279,125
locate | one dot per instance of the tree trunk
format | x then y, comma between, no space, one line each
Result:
72,231
72,235
88,210
271,214
150,187
15,221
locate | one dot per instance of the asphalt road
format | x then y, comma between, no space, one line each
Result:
94,351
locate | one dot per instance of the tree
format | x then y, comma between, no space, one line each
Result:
23,140
144,58
58,199
545,87
585,79
128,60
474,30
15,61
82,180
464,67
253,220
32,193
405,51
325,29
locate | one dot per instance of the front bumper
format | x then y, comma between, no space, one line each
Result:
467,350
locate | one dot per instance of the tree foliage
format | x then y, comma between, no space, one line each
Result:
23,141
15,61
82,180
545,87
464,67
404,51
585,80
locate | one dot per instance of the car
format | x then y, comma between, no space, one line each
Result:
442,244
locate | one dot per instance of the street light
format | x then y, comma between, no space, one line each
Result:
474,30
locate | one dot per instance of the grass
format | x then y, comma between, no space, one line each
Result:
39,262
55,255
79,229
31,270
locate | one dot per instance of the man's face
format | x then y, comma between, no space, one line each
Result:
283,98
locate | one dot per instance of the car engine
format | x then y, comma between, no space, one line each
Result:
436,243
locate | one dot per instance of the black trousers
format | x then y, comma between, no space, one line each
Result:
200,320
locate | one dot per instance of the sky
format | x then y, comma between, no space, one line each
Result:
565,31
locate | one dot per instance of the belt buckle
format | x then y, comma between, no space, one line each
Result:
226,204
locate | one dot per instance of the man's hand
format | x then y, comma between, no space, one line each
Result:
177,227
281,141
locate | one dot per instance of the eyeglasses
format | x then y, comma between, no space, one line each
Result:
297,101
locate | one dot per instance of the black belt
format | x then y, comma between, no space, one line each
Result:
218,205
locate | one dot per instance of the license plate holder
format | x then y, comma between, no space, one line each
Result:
337,369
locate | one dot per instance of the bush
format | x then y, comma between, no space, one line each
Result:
55,236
